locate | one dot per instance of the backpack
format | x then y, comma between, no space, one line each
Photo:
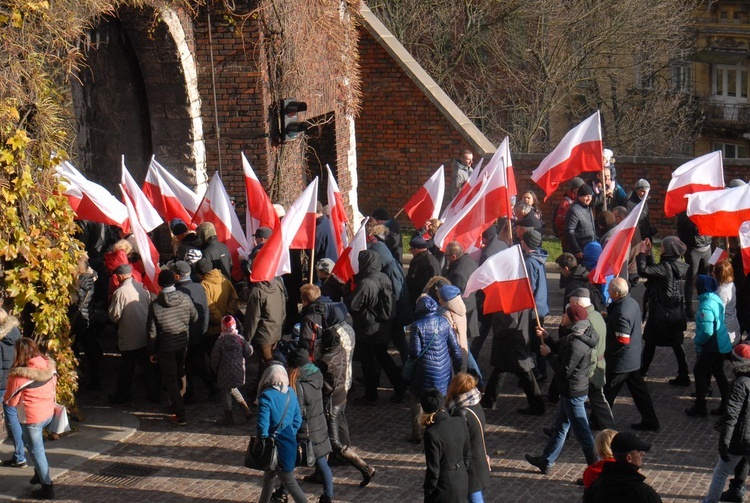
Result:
385,308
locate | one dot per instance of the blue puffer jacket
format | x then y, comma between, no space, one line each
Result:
710,331
434,367
538,278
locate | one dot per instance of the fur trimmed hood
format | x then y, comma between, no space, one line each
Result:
35,371
9,325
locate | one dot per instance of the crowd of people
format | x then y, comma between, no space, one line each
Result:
287,361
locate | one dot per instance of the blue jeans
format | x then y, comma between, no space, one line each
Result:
472,365
14,432
570,414
325,470
32,436
722,471
476,497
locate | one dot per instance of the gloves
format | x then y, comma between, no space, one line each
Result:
724,453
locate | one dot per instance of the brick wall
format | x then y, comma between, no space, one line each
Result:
401,136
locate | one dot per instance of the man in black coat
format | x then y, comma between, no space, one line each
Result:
574,276
214,250
373,332
620,481
325,239
696,256
623,354
423,267
460,267
580,229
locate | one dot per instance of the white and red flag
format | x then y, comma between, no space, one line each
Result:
745,246
337,213
273,258
455,205
720,212
426,203
717,256
259,210
348,263
617,250
144,245
147,215
505,282
487,201
89,200
171,198
217,208
579,151
702,173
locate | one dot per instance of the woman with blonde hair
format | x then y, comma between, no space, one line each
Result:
603,447
462,400
727,292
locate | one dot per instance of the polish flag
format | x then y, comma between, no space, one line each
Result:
426,203
490,202
720,212
337,213
305,237
717,256
348,263
703,173
171,198
144,245
217,208
273,258
617,250
745,246
259,211
89,200
510,175
505,282
579,151
147,215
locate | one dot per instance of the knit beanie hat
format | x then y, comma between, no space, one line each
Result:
178,226
204,266
585,190
576,313
166,278
591,254
431,400
533,239
182,269
705,283
642,184
228,325
449,292
298,358
741,353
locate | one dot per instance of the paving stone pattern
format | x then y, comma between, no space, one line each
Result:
202,462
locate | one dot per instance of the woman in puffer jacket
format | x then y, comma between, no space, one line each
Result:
712,345
434,345
453,308
307,380
31,387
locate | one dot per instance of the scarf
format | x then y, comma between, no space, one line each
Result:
274,376
467,399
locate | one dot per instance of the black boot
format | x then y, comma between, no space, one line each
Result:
35,479
367,472
46,492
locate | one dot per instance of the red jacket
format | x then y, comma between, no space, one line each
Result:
38,402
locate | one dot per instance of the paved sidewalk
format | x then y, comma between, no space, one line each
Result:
202,462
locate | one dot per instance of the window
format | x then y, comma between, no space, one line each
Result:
682,77
731,150
730,83
644,78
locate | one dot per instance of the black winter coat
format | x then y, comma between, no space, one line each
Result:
666,320
579,226
688,233
169,318
9,335
644,223
624,337
218,253
197,294
620,483
309,389
390,267
448,454
735,432
572,359
510,342
423,267
362,302
479,469
579,278
458,274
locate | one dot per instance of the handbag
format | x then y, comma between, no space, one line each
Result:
60,423
410,365
305,446
262,453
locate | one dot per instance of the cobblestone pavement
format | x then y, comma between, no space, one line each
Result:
202,462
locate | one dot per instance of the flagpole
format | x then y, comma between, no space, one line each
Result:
312,264
397,214
604,188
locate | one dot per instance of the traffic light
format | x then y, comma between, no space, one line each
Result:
291,125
